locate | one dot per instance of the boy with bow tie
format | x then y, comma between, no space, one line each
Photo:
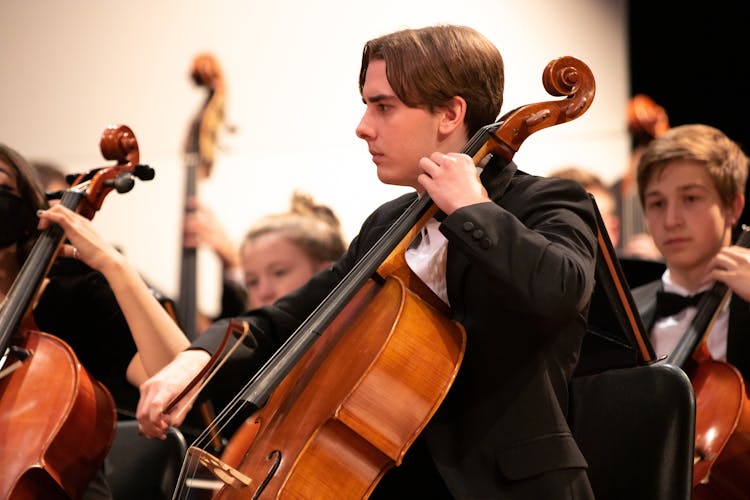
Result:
691,183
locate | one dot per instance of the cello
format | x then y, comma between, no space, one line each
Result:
53,442
332,423
721,462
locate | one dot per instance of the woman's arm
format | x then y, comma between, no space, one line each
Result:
156,335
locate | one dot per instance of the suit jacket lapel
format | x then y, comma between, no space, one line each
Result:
645,300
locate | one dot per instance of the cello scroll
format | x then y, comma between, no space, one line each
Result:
564,76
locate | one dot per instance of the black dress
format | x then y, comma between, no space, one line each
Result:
79,307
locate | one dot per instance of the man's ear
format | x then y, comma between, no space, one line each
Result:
736,210
453,114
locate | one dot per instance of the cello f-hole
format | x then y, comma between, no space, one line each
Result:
275,455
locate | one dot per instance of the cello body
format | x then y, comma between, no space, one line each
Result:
38,434
337,429
722,436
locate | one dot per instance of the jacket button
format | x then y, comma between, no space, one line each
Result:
468,226
478,233
485,243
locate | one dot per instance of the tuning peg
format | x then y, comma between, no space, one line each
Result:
144,172
122,183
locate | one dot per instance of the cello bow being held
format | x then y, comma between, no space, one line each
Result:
58,421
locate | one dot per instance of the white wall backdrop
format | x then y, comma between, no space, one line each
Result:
70,68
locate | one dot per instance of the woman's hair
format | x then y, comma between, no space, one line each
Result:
49,174
724,160
429,66
31,193
314,228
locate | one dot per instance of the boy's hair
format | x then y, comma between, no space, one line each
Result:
427,67
725,162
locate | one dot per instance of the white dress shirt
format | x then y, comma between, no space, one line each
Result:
666,332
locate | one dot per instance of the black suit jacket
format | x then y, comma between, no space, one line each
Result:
738,340
520,272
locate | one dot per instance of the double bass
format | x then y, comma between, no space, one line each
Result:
200,146
721,463
330,422
57,421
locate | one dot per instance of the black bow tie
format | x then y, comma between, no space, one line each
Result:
669,304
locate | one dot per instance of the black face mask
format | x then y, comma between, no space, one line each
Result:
13,219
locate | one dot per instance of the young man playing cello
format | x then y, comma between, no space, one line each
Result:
514,264
692,186
691,182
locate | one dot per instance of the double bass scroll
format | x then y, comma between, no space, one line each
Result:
330,423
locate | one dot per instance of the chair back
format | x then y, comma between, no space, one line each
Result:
636,428
141,468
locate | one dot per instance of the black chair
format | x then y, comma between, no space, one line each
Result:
636,428
632,416
141,468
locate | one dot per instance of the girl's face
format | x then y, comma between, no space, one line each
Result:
274,266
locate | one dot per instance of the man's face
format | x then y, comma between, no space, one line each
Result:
397,136
685,215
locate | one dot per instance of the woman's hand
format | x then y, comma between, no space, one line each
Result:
85,243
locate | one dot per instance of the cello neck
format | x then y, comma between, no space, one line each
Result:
19,300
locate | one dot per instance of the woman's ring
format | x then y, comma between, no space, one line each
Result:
75,253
